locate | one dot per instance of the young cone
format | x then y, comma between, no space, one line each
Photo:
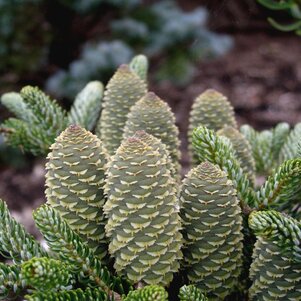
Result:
143,223
75,180
212,226
212,110
123,90
154,116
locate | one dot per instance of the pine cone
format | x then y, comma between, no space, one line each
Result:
212,225
75,180
143,223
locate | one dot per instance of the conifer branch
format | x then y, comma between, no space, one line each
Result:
70,248
88,294
15,242
217,150
282,187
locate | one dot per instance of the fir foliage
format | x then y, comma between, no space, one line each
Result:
242,149
15,242
87,105
276,266
139,65
89,294
46,274
214,149
42,121
289,150
282,188
11,284
69,247
15,104
191,293
148,293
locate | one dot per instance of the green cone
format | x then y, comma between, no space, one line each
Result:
157,144
243,150
154,116
75,180
123,90
143,223
276,268
212,110
212,227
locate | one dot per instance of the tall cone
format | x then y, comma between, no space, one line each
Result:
124,89
75,180
143,222
212,225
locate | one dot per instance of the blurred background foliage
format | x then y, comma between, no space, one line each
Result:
82,40
60,45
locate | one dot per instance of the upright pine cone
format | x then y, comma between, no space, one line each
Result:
123,90
212,225
158,145
143,223
75,180
154,116
212,110
276,267
243,150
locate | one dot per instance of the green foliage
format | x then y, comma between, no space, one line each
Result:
41,120
16,105
276,266
268,145
143,223
139,65
148,293
15,242
282,187
10,282
154,116
45,274
214,149
88,294
242,149
86,106
191,293
292,7
212,225
289,149
69,247
123,90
